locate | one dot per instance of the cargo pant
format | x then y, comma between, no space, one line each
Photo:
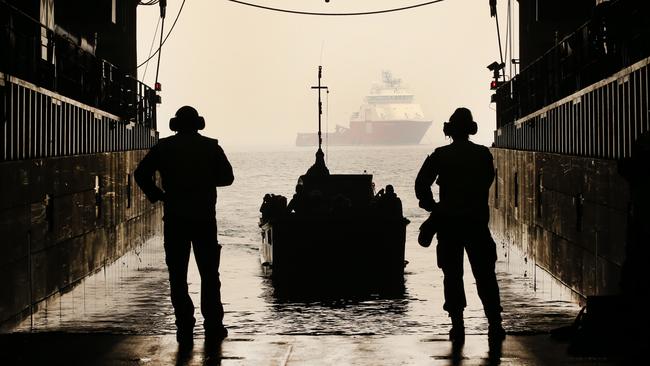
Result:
453,240
179,236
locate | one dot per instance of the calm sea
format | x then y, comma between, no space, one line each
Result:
131,295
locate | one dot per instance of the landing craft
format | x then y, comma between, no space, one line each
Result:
335,234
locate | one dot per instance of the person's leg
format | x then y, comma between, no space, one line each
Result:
177,253
449,253
207,253
482,254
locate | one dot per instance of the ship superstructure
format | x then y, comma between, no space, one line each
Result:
389,115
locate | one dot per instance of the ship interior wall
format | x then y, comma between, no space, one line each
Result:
558,195
68,201
563,124
568,215
64,218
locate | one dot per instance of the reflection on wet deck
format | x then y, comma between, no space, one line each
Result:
131,296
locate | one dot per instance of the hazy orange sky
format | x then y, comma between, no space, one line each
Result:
248,71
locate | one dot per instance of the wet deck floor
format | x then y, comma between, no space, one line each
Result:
112,349
122,315
130,296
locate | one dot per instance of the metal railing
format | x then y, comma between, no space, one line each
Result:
615,38
602,120
34,53
39,123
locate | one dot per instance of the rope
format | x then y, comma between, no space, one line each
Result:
165,40
291,11
496,16
151,47
162,27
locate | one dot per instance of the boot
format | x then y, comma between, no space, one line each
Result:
495,329
185,336
457,331
217,333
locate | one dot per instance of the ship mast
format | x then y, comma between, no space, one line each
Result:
320,105
319,168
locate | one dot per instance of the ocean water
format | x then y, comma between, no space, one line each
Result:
131,295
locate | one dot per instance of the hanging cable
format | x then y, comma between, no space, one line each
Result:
162,27
507,47
511,19
514,21
155,33
291,11
510,31
493,12
166,37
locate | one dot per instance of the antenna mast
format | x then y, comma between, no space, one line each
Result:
320,105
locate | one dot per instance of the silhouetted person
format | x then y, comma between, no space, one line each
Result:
464,172
387,203
266,208
391,205
273,206
297,203
191,166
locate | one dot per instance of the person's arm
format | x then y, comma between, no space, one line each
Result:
225,175
425,178
145,176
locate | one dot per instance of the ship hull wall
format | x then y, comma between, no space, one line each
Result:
568,214
63,218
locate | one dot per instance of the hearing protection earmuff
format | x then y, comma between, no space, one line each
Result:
459,128
178,124
186,119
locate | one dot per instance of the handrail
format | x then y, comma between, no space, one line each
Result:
33,52
615,38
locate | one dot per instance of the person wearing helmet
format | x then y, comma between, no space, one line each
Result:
464,172
191,166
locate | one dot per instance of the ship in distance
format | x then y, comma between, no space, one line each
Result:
388,116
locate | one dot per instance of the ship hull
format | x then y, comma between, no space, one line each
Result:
371,133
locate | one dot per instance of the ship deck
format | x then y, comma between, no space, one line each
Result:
111,349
